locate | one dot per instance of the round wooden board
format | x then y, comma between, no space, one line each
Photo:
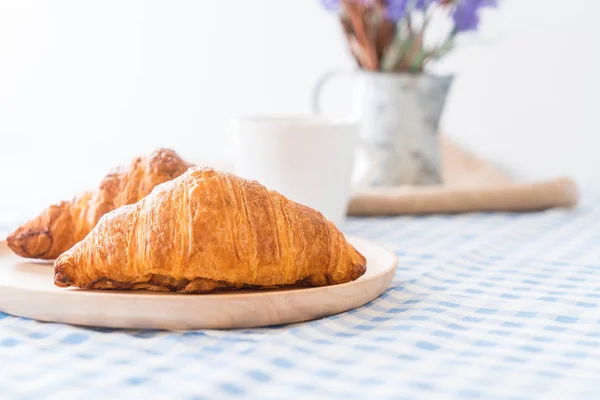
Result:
27,289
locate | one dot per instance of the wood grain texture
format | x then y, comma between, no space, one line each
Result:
26,290
439,199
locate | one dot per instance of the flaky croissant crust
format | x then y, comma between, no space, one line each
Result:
62,225
209,230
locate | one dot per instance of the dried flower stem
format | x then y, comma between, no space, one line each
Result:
352,42
356,13
385,36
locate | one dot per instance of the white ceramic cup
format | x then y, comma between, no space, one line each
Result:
307,159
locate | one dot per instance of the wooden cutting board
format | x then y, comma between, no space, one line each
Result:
470,184
27,290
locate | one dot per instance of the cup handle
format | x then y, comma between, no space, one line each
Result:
322,82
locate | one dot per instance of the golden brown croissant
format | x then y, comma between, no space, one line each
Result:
62,225
210,230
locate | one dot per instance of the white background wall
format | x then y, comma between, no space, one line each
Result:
87,84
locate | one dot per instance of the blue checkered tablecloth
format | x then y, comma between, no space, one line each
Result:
490,306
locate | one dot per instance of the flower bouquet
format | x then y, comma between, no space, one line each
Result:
404,35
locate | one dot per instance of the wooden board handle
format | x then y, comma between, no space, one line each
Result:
560,192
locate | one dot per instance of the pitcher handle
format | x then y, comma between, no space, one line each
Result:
367,148
322,81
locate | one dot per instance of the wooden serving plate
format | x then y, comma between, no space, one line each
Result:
27,289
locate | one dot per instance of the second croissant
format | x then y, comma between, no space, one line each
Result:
62,225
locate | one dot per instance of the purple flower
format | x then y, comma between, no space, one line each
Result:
423,4
395,9
331,5
466,13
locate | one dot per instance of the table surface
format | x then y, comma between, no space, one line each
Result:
493,306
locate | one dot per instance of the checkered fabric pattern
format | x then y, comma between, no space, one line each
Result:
490,306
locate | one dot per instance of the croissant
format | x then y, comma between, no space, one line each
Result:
209,230
62,225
